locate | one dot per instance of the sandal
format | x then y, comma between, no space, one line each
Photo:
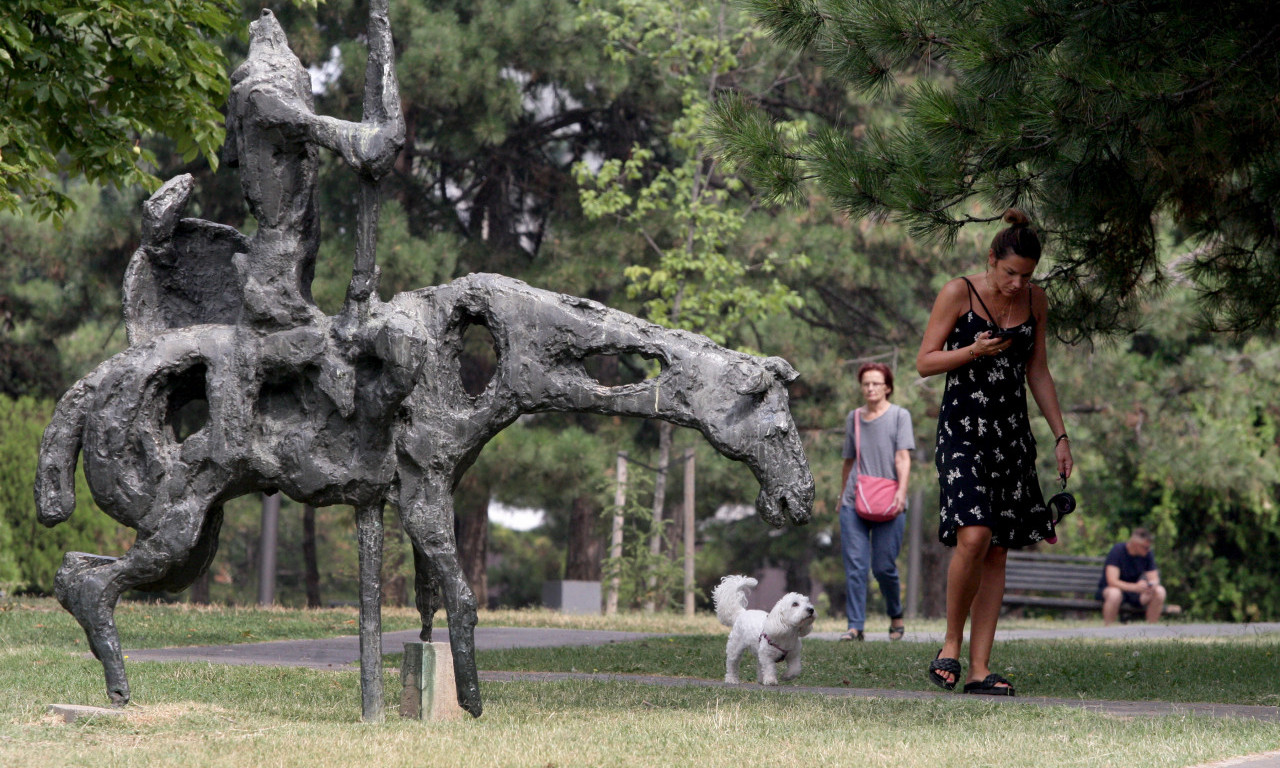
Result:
991,685
896,633
853,634
950,666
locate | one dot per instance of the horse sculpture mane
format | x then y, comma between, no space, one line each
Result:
362,408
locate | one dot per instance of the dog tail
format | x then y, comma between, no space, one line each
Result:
730,597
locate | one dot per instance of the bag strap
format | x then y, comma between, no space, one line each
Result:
857,442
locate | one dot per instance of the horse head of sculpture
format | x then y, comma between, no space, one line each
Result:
543,341
753,424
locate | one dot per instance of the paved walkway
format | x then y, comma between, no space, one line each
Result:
341,651
345,651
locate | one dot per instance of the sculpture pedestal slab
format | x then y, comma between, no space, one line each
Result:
429,692
70,713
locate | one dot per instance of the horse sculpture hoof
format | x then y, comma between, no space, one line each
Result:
471,703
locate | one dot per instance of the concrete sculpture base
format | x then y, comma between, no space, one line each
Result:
426,677
71,713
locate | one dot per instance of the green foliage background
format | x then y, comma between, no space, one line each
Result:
29,552
1172,428
84,81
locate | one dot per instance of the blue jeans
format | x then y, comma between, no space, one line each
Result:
875,546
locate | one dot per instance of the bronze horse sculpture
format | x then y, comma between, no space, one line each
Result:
234,383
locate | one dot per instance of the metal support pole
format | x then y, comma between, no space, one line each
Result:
268,541
369,533
688,530
615,541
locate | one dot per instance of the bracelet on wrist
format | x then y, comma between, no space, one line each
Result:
972,354
1060,438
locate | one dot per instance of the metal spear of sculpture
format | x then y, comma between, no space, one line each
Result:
235,382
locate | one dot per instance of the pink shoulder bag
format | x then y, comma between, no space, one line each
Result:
873,496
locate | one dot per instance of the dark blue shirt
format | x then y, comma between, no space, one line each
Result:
1131,566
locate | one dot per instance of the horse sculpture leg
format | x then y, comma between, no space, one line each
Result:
369,534
81,586
426,593
89,586
429,523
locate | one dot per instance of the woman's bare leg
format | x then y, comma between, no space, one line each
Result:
964,577
985,612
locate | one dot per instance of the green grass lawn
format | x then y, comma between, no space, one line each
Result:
1232,671
210,715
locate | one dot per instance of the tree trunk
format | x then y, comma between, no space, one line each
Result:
586,547
934,557
200,589
311,569
688,529
799,578
934,561
615,535
471,511
659,495
395,568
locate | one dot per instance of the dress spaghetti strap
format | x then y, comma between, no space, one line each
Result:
974,292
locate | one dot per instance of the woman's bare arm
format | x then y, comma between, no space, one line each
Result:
932,358
1040,381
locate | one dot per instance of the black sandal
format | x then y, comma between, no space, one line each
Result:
896,633
951,666
990,685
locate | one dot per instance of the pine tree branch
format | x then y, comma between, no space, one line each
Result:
1218,76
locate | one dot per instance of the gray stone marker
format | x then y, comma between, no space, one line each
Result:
426,677
235,382
572,596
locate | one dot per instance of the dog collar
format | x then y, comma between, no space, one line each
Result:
784,651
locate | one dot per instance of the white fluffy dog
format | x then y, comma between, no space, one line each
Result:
774,636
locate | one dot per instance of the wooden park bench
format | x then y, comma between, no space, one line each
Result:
1059,582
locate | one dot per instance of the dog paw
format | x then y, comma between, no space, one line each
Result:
731,679
769,681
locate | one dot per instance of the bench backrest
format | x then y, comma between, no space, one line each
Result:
1034,571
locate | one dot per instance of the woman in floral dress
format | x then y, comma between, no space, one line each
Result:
987,333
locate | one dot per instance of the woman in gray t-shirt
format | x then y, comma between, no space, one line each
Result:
886,445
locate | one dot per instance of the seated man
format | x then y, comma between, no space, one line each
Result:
1130,576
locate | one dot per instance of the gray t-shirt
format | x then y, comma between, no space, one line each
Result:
881,439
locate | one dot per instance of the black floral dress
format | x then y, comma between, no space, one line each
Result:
986,455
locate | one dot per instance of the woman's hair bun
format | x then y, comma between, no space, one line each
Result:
1016,217
1018,238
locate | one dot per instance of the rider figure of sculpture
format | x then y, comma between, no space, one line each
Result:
273,135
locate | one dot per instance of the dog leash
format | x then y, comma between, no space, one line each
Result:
765,637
